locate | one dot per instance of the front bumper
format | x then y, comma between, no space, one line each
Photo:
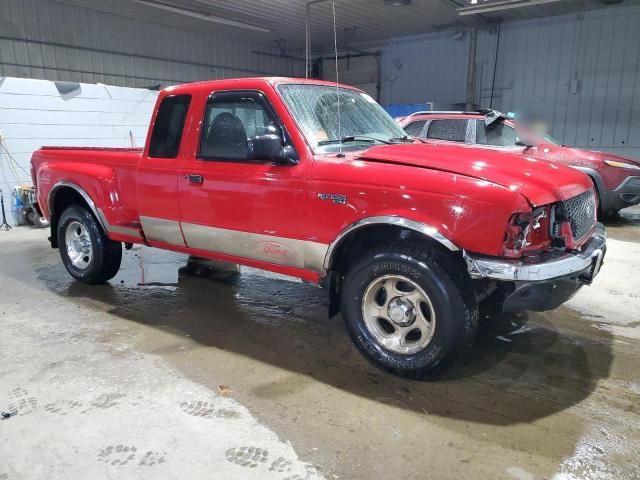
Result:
544,282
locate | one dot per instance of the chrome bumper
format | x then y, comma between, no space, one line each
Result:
586,262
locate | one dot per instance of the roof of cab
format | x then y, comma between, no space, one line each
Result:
246,82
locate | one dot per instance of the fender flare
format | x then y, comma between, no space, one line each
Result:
597,181
402,222
64,184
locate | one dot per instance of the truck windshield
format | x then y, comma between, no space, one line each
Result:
363,122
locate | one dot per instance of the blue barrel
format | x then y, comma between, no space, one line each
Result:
17,206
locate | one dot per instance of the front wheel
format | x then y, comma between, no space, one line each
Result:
86,251
409,309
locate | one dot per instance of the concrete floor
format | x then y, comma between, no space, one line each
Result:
163,374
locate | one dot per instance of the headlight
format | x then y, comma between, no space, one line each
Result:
527,232
614,163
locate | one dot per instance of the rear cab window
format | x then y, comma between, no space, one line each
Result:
168,127
452,130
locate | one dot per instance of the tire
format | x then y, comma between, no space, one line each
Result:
38,220
96,258
444,324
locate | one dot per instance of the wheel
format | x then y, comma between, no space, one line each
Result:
87,253
30,216
409,309
38,220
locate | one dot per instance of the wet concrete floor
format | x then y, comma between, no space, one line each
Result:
551,395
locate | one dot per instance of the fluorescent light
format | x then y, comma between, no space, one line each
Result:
203,16
496,6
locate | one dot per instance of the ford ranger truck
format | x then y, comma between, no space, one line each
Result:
314,180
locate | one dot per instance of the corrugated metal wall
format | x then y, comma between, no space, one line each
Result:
580,73
540,63
55,41
432,68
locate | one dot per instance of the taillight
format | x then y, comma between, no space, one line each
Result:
528,232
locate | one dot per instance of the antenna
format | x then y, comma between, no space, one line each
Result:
335,50
307,42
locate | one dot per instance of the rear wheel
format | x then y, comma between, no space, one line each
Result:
86,251
409,309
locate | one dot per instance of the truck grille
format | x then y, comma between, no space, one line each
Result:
581,211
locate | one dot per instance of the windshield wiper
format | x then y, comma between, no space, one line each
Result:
353,138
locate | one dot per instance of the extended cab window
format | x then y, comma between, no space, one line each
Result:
232,123
496,134
415,128
167,131
451,130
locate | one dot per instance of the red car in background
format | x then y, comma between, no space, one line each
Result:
616,178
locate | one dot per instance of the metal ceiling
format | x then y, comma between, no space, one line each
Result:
358,21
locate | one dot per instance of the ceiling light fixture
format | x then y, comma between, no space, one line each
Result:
397,3
497,6
203,16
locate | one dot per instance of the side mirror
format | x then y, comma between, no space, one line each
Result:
269,147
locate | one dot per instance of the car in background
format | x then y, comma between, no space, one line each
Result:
616,178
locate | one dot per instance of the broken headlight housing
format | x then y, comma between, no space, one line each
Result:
528,232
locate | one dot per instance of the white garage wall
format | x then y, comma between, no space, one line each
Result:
33,113
539,62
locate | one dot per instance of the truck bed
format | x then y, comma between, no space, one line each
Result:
94,168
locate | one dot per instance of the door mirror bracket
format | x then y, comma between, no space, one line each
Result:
271,147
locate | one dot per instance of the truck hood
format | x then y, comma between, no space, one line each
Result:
540,182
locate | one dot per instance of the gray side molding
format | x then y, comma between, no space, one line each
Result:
402,222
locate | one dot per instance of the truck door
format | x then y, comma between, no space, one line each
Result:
233,202
157,175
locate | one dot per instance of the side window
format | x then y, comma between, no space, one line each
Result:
167,131
415,128
233,123
496,134
451,130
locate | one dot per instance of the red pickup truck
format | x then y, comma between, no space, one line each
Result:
408,237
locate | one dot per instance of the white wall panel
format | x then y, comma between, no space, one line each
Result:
33,113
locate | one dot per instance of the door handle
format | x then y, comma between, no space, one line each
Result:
194,178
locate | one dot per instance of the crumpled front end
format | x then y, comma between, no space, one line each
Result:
549,255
